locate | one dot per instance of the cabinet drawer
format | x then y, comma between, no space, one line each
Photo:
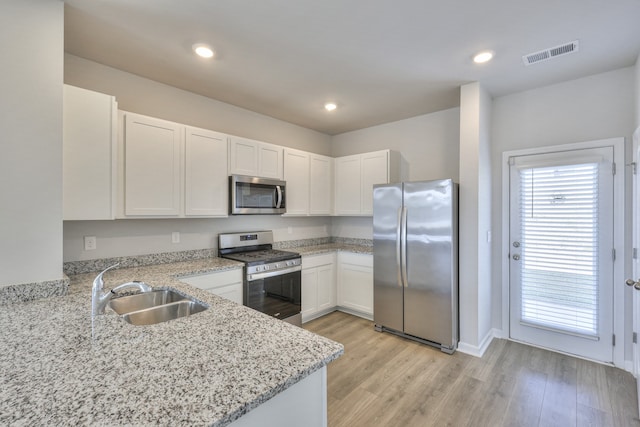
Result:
310,261
214,280
364,260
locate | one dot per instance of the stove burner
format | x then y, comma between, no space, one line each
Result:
262,256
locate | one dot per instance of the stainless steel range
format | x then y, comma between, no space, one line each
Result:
272,278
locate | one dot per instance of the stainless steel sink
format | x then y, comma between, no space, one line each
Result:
163,313
123,305
153,307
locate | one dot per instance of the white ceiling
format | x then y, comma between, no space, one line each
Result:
379,60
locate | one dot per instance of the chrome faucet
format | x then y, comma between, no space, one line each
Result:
99,300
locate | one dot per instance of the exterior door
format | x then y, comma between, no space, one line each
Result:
636,259
561,251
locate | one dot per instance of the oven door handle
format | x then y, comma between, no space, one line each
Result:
267,274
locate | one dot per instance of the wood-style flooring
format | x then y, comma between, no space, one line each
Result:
385,380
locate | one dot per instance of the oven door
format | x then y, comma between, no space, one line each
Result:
278,296
250,196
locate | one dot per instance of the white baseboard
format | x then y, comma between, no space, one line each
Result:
479,350
355,312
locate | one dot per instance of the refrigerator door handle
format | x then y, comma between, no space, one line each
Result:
403,250
399,248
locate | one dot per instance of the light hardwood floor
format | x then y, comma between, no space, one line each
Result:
385,380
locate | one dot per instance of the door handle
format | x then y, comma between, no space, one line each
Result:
631,282
403,263
279,201
399,247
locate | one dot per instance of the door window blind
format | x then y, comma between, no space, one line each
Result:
559,242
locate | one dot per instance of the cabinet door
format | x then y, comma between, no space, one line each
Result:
152,166
375,170
326,287
89,143
206,181
243,156
269,161
309,292
355,282
348,185
320,185
296,174
230,292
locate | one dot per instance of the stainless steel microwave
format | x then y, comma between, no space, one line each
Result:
256,196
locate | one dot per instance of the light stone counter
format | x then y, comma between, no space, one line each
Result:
333,247
60,368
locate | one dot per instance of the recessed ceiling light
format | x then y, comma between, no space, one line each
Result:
330,106
203,50
482,57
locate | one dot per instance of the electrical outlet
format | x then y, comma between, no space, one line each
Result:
175,237
290,230
90,243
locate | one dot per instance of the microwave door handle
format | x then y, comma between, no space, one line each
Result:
279,191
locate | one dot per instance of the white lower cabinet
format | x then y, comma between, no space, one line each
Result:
227,284
355,283
318,285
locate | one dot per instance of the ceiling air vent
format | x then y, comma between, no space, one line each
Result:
550,53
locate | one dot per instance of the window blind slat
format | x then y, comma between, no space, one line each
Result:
559,241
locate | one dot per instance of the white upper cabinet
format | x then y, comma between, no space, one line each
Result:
89,156
255,158
171,170
375,170
355,177
296,174
152,166
270,163
309,180
206,181
348,185
320,185
243,156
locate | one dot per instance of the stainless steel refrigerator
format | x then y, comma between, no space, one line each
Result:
415,261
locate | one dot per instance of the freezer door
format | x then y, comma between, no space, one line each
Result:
387,286
430,298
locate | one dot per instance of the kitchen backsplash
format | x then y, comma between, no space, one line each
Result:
93,265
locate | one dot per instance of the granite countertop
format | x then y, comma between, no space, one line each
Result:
333,247
61,368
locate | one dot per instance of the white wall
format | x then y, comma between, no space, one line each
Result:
144,96
590,108
139,237
31,42
475,218
429,145
637,70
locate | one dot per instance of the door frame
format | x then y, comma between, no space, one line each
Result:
635,269
619,217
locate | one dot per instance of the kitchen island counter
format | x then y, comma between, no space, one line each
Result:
60,367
